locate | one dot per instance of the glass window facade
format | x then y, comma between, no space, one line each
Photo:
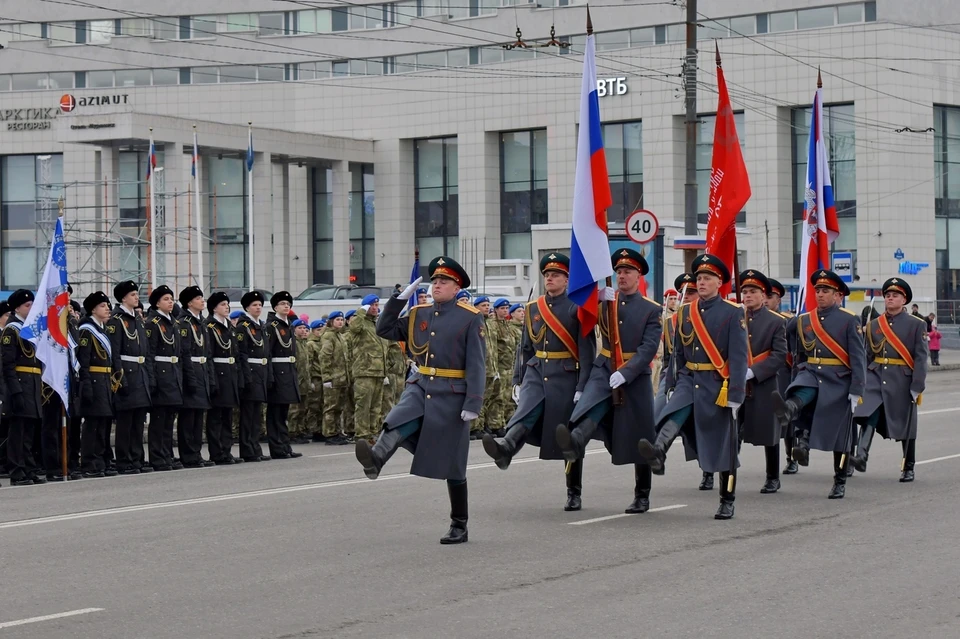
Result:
322,227
946,157
227,209
30,186
705,161
523,190
362,207
436,198
623,146
838,128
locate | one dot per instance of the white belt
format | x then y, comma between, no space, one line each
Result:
262,362
164,358
223,360
198,360
133,358
284,360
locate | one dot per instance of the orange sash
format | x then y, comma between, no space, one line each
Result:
557,327
759,358
828,341
898,345
711,350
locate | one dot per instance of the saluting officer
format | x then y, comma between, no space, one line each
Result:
897,342
21,376
432,417
197,378
630,329
283,388
830,374
95,357
256,371
128,341
785,374
166,391
227,384
708,381
547,377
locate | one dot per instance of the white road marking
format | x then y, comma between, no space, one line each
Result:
59,615
609,517
232,496
937,410
330,455
936,459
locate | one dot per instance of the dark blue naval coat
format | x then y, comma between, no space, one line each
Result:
829,421
639,323
551,381
768,346
439,336
889,383
708,435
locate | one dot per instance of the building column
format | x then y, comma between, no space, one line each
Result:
394,220
296,186
341,222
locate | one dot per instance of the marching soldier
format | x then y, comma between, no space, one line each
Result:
96,384
630,329
283,389
128,342
707,381
21,376
491,415
369,369
785,374
227,375
256,371
506,358
897,342
547,377
830,373
195,356
334,367
431,419
166,392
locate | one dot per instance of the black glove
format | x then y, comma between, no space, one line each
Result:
86,392
17,403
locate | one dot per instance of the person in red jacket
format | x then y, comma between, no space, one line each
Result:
935,335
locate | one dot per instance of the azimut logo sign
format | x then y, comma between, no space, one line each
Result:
69,103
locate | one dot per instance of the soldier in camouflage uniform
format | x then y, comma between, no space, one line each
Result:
491,415
369,369
396,371
334,372
314,420
349,424
517,314
506,356
297,418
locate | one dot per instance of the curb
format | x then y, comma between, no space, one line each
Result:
944,367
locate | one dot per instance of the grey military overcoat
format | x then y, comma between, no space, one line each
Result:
768,347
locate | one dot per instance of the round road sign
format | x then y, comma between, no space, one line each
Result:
642,226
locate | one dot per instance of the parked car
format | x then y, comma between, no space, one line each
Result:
343,292
235,294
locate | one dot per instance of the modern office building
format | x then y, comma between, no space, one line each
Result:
378,128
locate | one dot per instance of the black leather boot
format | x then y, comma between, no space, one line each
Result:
801,450
574,486
643,479
859,461
909,460
784,410
458,514
706,483
839,476
573,443
792,468
656,453
503,451
772,454
727,497
372,458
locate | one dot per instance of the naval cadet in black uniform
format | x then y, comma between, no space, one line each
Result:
617,402
785,374
166,392
195,360
21,376
548,378
97,389
432,418
708,383
830,365
228,380
128,341
257,375
4,427
896,377
284,387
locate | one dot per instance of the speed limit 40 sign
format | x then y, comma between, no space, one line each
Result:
642,226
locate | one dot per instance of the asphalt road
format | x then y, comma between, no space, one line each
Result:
310,548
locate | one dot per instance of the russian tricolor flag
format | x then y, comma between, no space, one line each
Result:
589,249
820,225
196,156
151,158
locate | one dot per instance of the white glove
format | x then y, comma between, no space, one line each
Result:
854,400
497,376
414,368
516,394
313,386
914,395
468,416
408,292
386,381
733,406
669,394
750,374
576,397
617,380
328,384
607,294
365,308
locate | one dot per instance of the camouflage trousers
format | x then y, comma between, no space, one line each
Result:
333,410
368,393
507,407
491,415
349,403
305,418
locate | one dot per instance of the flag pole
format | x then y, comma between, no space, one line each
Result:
153,216
196,197
63,438
250,199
